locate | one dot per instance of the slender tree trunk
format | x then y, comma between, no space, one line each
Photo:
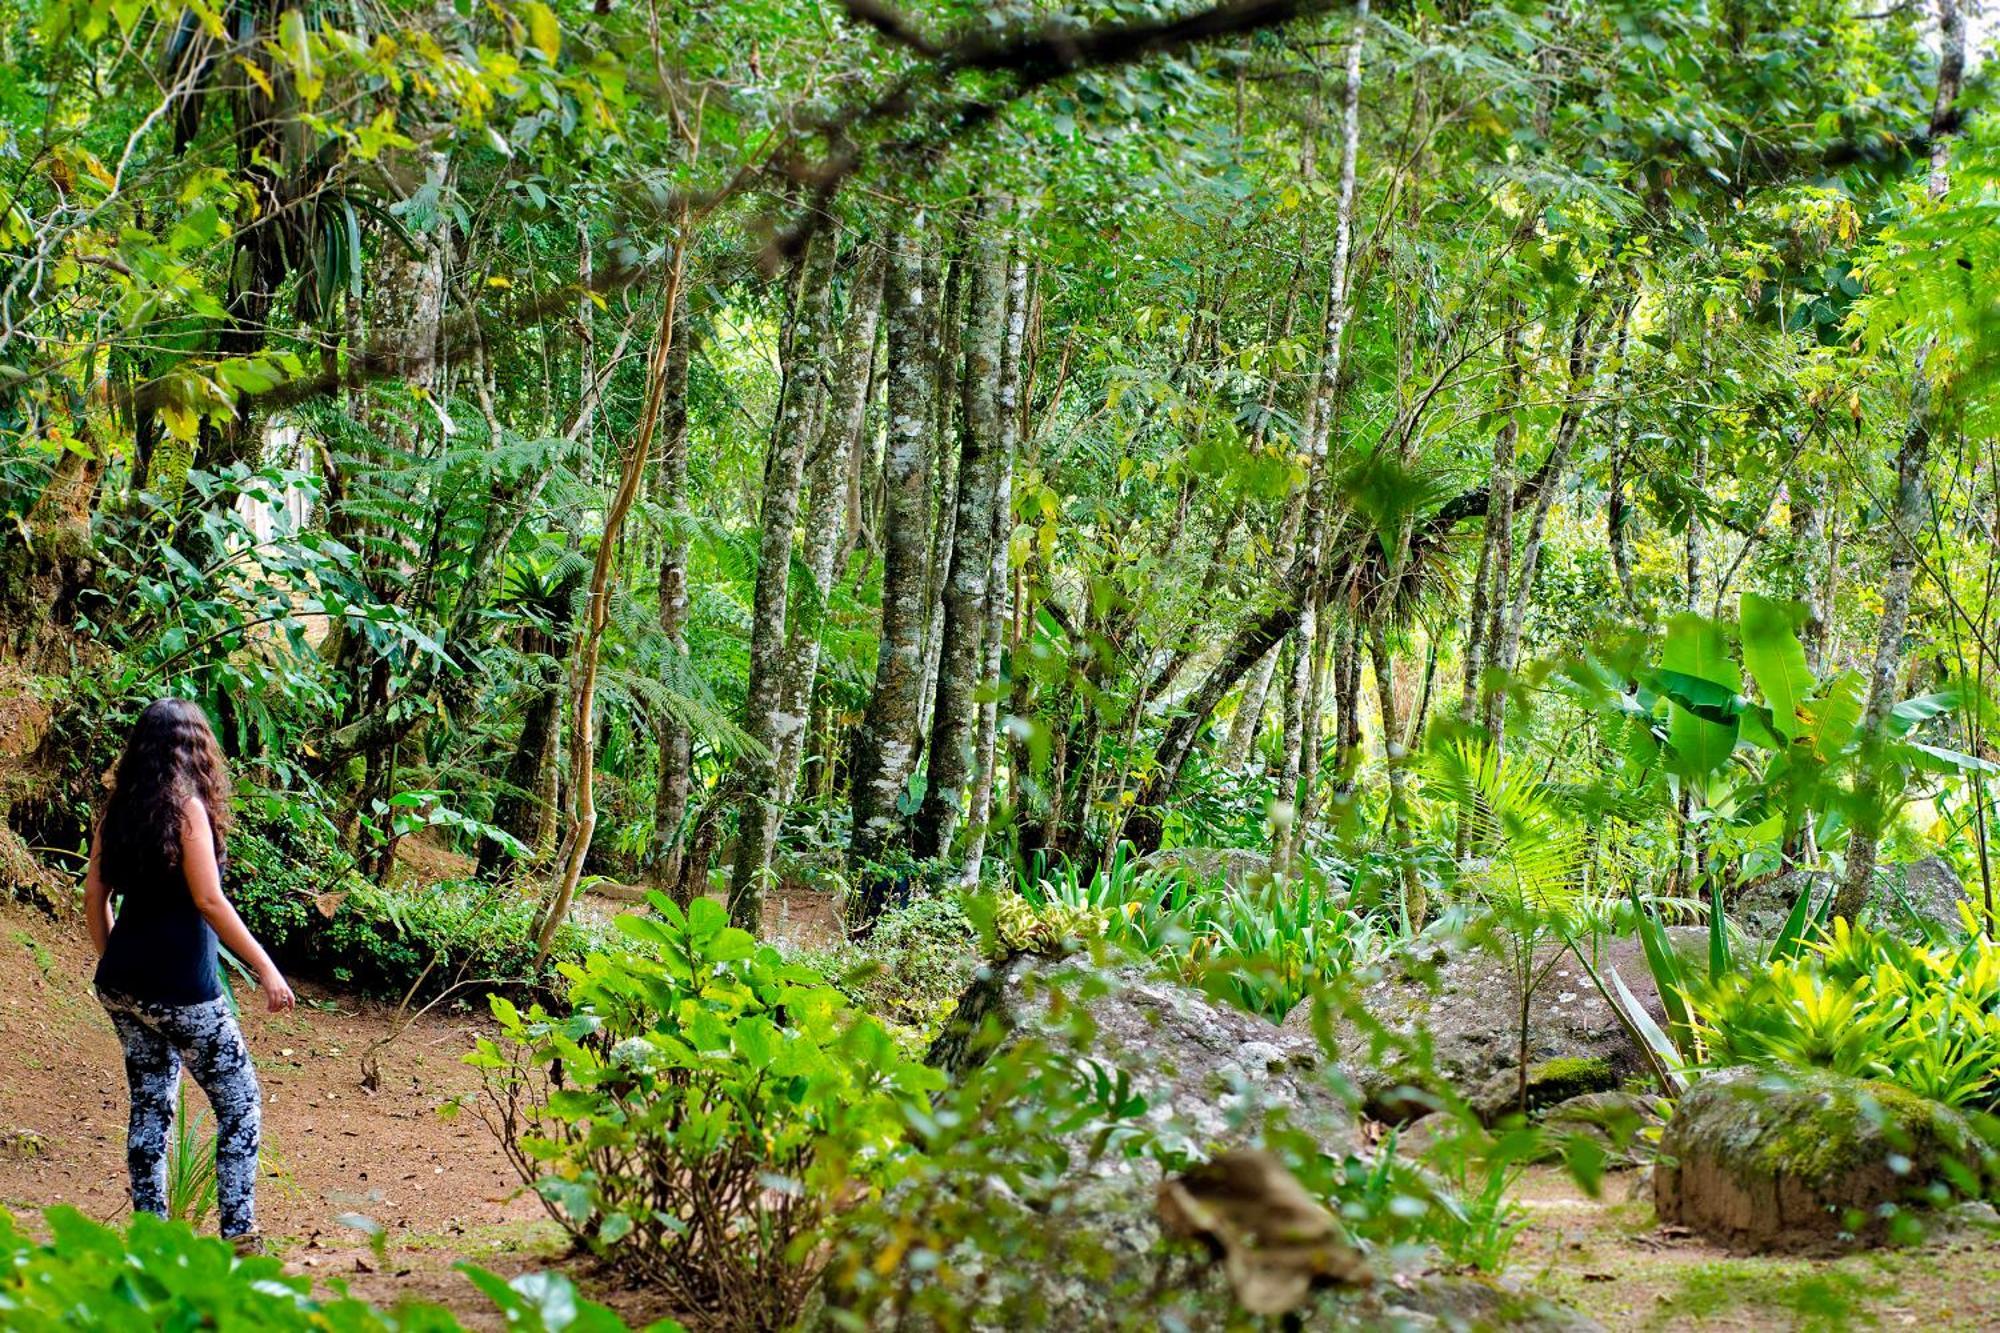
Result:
885,752
1809,552
583,764
1415,908
764,716
965,610
845,414
950,447
999,585
1339,311
676,741
1500,534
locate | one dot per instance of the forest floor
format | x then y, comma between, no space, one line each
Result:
435,1181
440,1187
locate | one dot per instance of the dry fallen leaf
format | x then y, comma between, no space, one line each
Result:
1275,1240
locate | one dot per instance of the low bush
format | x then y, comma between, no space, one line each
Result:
1864,1001
911,969
301,897
701,1112
160,1275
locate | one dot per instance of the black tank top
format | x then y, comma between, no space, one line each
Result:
161,948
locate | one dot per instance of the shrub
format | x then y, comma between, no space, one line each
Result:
701,1112
300,895
911,969
158,1274
1865,1002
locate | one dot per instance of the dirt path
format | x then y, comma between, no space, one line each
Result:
1607,1257
437,1184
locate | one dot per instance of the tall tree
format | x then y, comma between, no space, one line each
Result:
965,610
885,750
764,717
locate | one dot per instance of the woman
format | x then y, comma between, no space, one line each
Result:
159,849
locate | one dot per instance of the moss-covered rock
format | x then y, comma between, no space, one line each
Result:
1766,1161
1548,1082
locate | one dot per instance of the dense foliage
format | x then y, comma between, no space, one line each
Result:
1266,487
161,1275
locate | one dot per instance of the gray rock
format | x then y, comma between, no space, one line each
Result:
1761,1161
1469,1003
1209,1073
1932,890
1086,1251
1926,889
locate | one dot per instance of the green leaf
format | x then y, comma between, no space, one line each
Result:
544,33
1776,658
1913,712
1718,935
1704,698
1697,747
1833,716
1696,646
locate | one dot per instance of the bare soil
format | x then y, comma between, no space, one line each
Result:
434,1180
1608,1257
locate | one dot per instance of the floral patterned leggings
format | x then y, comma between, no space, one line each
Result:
156,1037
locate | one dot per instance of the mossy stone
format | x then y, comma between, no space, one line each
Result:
1767,1161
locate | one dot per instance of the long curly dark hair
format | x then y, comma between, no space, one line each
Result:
171,755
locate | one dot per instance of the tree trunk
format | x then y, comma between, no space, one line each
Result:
1415,908
965,610
764,717
583,728
999,587
949,325
1500,539
676,741
885,751
842,420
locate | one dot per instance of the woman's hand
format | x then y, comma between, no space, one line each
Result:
277,992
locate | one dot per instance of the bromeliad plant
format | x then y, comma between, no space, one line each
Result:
1865,1002
702,1112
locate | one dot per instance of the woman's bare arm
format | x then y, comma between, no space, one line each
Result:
96,901
204,880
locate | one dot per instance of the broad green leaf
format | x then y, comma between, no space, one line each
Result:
1776,658
1913,712
1696,646
1697,747
1832,717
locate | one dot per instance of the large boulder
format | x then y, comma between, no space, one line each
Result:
1468,1002
1926,891
1208,1072
1762,1161
1213,1078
